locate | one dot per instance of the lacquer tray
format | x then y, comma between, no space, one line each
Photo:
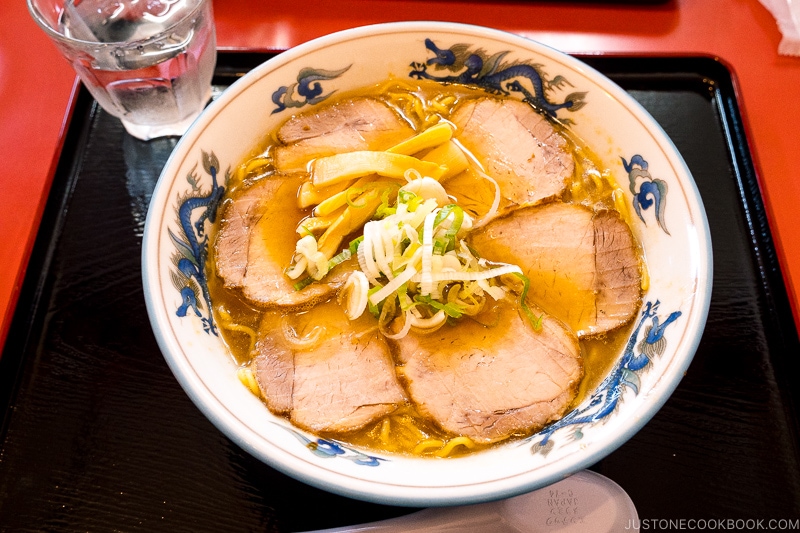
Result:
97,434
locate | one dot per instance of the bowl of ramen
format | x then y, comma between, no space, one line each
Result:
427,263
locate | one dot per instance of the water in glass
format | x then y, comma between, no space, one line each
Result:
151,65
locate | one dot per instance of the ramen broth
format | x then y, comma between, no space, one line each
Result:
404,431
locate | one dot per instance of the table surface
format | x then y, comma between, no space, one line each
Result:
38,87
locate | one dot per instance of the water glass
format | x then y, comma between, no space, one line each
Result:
147,62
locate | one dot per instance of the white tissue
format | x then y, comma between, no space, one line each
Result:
787,14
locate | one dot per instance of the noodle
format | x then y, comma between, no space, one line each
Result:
452,443
227,323
245,375
423,446
385,429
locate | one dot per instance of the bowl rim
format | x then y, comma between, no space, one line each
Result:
223,418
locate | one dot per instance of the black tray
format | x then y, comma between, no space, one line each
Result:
97,434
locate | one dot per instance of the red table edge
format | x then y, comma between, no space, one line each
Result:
9,313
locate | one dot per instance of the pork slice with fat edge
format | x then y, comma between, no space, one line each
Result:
583,265
341,384
517,146
491,382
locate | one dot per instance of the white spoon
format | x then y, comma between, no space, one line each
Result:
585,502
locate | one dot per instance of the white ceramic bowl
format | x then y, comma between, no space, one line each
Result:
677,248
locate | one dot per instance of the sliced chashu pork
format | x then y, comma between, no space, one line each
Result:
583,265
255,244
342,383
508,379
517,146
346,126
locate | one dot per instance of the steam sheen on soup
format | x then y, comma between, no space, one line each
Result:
423,270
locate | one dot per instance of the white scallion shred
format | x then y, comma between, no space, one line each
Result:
428,323
297,269
308,258
392,286
426,279
353,296
495,203
365,250
404,330
495,291
470,276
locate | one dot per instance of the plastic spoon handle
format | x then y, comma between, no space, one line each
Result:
585,502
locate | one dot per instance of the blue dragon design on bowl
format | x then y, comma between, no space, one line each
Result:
330,449
472,66
308,86
647,191
466,65
196,208
625,375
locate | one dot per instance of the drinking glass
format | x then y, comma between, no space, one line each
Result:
147,62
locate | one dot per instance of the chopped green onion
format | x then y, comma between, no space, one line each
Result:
450,234
353,248
536,322
443,213
405,300
303,283
339,258
415,202
351,191
450,309
405,196
439,246
385,209
375,310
